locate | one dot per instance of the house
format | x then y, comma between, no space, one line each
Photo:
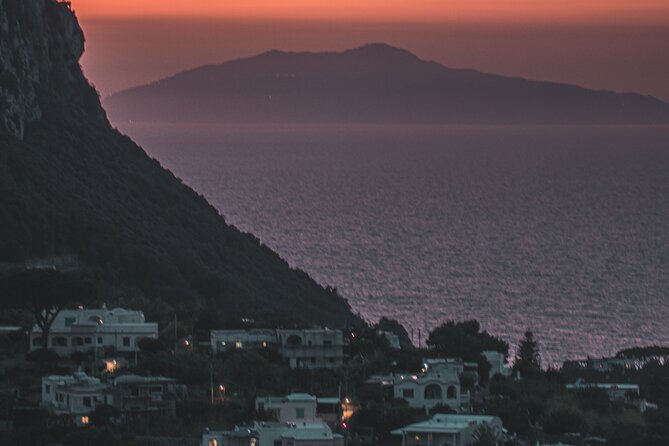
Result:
615,392
302,348
498,364
447,430
302,407
75,396
275,434
224,340
426,390
87,329
312,348
145,396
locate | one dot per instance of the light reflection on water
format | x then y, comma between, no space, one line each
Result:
562,230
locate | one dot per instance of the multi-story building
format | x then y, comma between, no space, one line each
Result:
145,396
88,329
224,340
312,348
426,390
302,407
75,395
302,348
450,430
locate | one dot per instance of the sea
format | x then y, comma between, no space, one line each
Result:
560,230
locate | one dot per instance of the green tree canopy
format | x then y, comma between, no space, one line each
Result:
528,360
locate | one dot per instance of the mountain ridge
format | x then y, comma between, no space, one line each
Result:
374,83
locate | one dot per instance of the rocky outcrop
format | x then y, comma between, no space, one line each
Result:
40,46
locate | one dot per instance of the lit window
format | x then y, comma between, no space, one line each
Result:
238,344
84,420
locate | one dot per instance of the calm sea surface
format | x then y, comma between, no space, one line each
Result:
562,230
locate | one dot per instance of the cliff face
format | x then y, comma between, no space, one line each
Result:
70,184
40,46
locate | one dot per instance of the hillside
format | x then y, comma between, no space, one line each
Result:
375,83
70,184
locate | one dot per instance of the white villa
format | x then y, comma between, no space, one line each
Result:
74,395
86,329
275,434
426,390
302,348
447,430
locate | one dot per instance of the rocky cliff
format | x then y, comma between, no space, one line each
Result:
72,185
40,46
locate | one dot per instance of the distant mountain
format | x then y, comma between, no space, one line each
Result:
375,83
70,184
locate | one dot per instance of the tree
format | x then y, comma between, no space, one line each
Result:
45,293
528,360
464,340
485,435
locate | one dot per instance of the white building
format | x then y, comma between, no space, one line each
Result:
275,434
74,395
87,329
497,363
302,407
224,340
426,390
312,348
302,348
293,408
447,430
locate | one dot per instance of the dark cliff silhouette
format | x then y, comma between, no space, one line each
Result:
375,83
70,184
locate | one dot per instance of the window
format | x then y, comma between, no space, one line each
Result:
69,321
452,393
213,442
299,413
327,342
407,393
88,341
126,341
238,344
47,388
313,360
77,341
331,360
84,420
433,392
277,442
59,341
87,401
99,340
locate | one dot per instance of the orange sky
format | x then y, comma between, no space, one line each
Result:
570,11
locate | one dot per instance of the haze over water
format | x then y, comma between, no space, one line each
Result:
561,230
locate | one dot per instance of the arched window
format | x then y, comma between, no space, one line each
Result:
452,393
433,392
294,340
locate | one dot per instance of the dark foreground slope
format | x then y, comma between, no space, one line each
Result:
69,183
372,84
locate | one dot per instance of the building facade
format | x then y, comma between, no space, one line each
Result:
447,430
145,396
301,348
275,434
90,329
75,396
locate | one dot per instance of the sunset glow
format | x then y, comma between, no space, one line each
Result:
573,11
